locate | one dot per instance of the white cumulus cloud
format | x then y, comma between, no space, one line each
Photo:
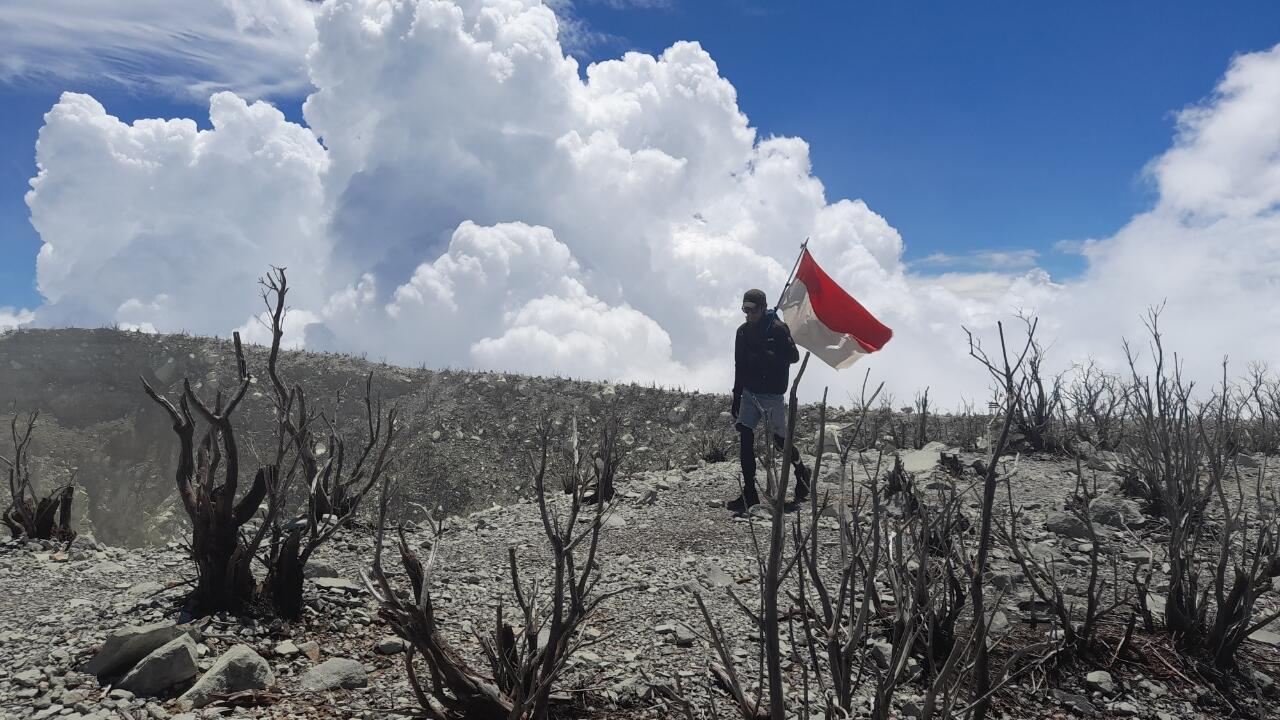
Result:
465,194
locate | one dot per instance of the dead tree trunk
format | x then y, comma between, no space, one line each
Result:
30,516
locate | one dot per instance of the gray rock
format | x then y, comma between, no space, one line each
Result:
390,645
1101,681
286,648
1078,703
317,569
166,666
126,646
1123,709
714,575
1067,525
925,460
1265,636
335,673
1116,512
29,678
335,583
239,668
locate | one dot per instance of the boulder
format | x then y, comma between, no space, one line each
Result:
389,645
922,461
1116,512
239,668
317,569
125,647
1067,525
166,666
1101,681
335,673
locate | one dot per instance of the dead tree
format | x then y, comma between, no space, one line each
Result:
1036,405
339,467
223,557
524,663
1078,625
922,419
1185,458
28,515
1006,370
834,622
772,569
227,536
1096,405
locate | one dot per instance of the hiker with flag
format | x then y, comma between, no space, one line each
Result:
763,352
828,322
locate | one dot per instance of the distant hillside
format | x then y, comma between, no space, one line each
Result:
464,431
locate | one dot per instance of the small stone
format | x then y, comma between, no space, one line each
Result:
311,649
1123,708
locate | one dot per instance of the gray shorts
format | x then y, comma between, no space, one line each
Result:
769,406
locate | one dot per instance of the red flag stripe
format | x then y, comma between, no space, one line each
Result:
838,310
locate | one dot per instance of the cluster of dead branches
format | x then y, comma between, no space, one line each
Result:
525,660
910,568
233,527
1184,460
30,515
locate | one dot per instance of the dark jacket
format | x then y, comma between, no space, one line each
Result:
762,355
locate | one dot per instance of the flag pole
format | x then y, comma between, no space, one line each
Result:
791,276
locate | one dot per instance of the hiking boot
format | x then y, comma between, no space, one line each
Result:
802,483
743,502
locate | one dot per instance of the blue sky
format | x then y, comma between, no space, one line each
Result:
1011,157
972,127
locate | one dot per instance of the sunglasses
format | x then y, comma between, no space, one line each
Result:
750,309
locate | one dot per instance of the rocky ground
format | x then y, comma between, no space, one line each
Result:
666,539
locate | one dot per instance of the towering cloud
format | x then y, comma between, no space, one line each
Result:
464,193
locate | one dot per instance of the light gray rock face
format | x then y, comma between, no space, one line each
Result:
166,666
922,461
1101,681
126,646
239,668
335,673
1116,512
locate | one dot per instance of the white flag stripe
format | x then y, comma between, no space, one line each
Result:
834,348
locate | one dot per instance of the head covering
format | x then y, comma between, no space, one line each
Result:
755,297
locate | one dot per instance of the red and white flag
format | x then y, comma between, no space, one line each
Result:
826,320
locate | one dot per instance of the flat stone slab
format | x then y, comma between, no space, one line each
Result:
126,646
166,666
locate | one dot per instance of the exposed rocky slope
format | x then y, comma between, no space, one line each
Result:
667,538
461,430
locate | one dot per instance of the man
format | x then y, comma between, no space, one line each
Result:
762,355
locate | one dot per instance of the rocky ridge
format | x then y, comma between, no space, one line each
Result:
459,431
